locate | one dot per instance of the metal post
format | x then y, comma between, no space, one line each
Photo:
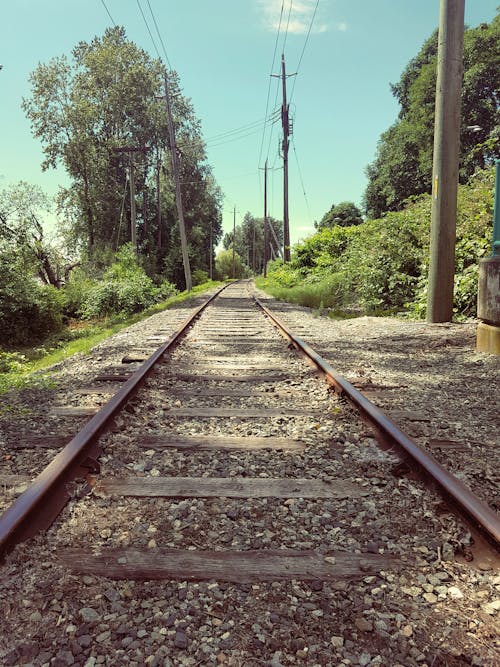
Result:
488,293
496,213
445,162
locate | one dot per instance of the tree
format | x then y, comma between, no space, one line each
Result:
88,111
403,161
23,207
344,214
229,265
249,241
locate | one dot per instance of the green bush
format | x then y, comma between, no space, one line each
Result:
382,265
113,297
75,293
166,290
125,288
12,362
28,310
199,277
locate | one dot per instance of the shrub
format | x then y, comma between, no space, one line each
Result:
199,277
28,310
166,290
383,264
113,297
124,289
75,293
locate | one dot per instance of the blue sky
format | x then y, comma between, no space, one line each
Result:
223,51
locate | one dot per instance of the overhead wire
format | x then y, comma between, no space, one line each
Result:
159,35
304,47
301,180
242,128
270,81
148,29
287,26
108,13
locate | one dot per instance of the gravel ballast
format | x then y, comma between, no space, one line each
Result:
434,607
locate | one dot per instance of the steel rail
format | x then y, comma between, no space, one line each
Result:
43,500
476,512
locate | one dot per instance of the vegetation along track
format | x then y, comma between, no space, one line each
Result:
259,499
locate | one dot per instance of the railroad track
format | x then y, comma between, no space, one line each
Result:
225,458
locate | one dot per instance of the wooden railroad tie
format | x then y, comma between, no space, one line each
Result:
239,567
226,487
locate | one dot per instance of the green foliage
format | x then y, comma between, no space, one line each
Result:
125,288
344,214
75,293
403,162
166,291
85,109
28,310
249,241
199,277
381,265
229,265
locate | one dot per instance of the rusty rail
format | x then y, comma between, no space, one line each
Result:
477,513
46,496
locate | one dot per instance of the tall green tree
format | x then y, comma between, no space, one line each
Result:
23,212
403,161
249,241
344,214
88,110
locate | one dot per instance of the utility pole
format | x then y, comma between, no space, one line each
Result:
266,231
445,161
133,215
234,238
287,130
253,245
211,251
158,200
130,150
178,194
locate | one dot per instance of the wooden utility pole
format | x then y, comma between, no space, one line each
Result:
211,251
234,239
285,121
266,231
133,215
178,194
158,201
130,150
445,161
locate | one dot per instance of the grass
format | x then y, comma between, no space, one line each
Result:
22,369
325,298
321,296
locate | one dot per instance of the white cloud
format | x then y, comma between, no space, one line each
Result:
300,16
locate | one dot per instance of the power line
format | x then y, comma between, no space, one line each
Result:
287,25
301,180
159,35
107,11
149,31
304,47
243,128
270,81
230,135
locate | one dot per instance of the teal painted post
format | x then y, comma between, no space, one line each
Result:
496,213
